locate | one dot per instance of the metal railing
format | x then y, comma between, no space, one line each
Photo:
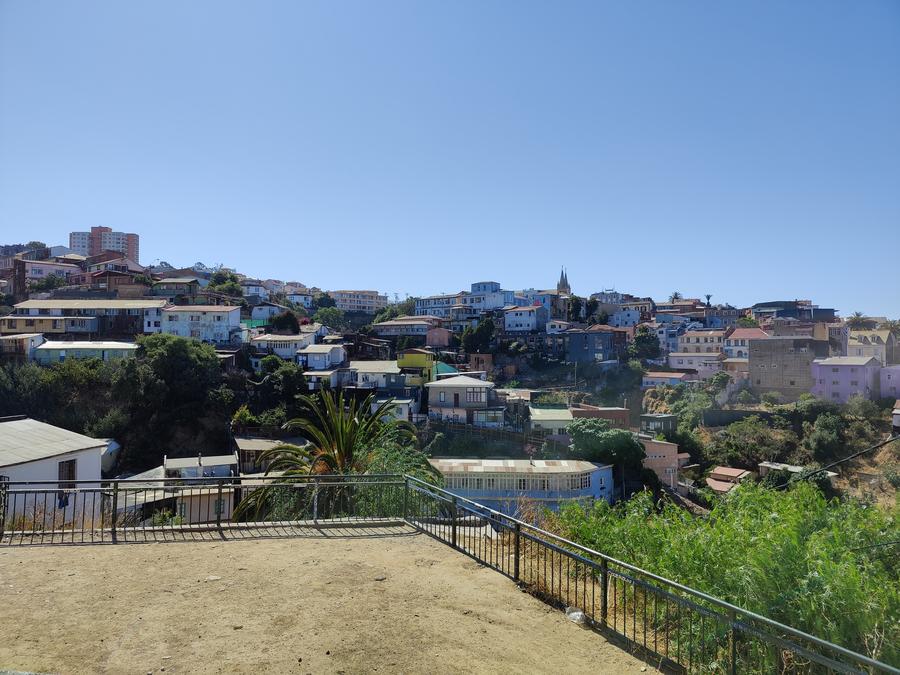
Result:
50,512
670,624
674,626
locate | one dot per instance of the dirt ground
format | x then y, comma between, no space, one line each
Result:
378,601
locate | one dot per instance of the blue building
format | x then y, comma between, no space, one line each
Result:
597,343
505,485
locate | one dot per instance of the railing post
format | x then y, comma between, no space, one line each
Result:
604,589
4,487
115,511
220,506
406,498
732,642
316,500
453,522
518,532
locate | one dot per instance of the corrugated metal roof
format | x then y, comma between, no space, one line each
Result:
845,361
523,466
551,414
375,366
88,344
461,381
28,440
317,349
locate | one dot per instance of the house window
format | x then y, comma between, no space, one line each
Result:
67,471
442,396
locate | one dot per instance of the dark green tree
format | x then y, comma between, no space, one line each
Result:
323,300
331,317
575,306
645,344
594,441
286,323
226,283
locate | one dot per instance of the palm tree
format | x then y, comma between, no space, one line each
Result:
857,320
675,296
893,326
341,434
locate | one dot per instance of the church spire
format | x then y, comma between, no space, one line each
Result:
563,285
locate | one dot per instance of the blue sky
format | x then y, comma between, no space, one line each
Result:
748,150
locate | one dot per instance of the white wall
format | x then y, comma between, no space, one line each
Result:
86,468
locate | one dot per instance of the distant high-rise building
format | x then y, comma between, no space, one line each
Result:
101,239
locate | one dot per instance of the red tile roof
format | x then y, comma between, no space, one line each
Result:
748,334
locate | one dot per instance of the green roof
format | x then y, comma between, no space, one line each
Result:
441,368
254,323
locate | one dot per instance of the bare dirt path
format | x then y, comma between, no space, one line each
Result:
304,605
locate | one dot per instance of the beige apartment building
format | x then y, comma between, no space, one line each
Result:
369,302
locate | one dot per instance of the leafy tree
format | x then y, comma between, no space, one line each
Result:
718,382
862,408
594,441
331,317
479,340
287,323
590,307
576,304
748,442
746,397
48,283
747,322
645,344
405,308
282,381
169,387
825,438
675,296
243,418
142,279
770,398
226,283
34,245
323,300
391,457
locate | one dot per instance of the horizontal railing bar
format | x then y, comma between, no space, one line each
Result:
673,584
325,477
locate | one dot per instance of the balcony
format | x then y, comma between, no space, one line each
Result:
338,573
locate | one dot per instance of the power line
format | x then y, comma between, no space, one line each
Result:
885,543
794,479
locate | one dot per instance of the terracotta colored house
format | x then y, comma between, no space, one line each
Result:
723,479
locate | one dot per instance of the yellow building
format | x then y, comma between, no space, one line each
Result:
417,365
54,324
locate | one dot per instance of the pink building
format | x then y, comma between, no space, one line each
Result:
840,377
664,459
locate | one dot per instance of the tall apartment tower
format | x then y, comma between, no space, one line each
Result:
101,239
